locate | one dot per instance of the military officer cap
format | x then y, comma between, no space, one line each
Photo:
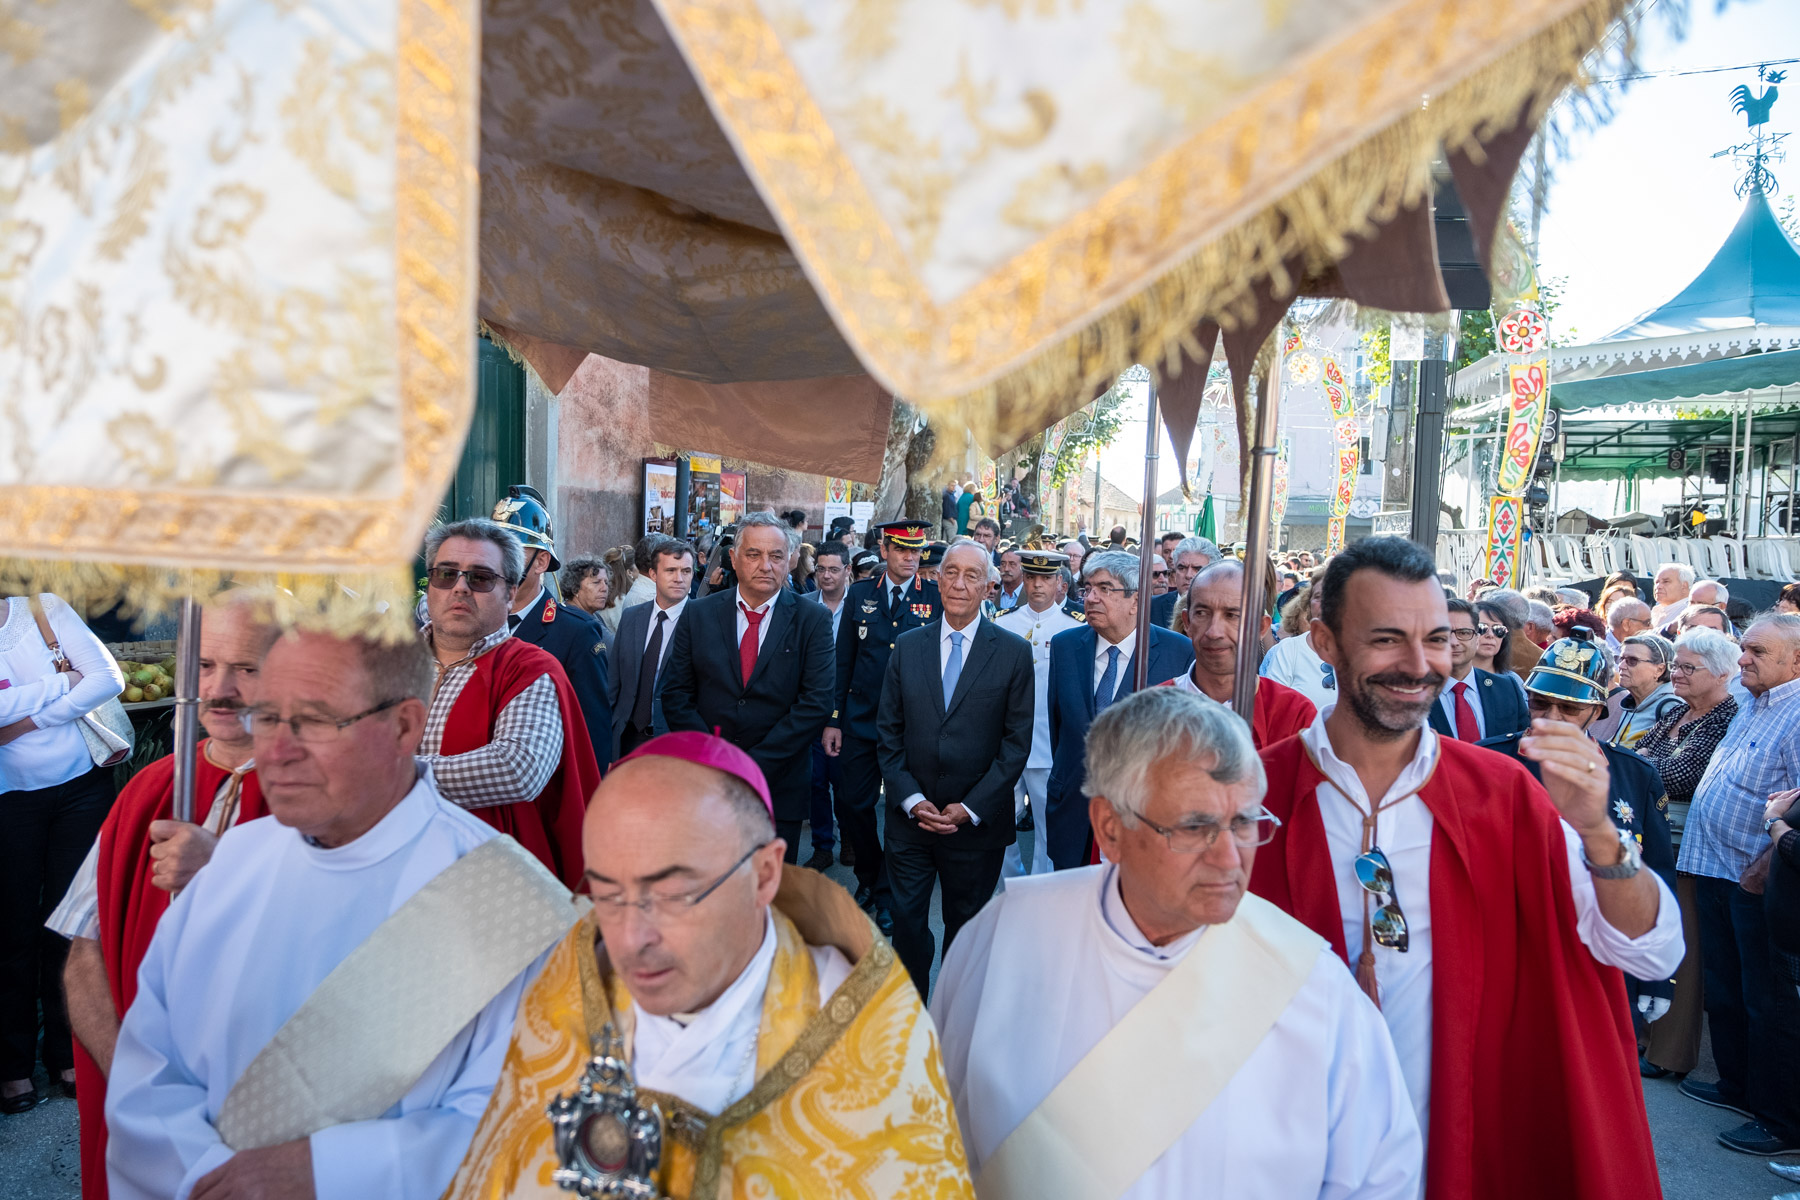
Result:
523,512
1043,562
934,554
908,535
1572,668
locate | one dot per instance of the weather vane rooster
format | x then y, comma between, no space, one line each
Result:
1756,108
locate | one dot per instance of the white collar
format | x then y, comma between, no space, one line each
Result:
1118,920
1412,776
1101,645
738,596
968,631
674,610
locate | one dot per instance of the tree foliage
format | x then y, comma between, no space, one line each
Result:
1102,424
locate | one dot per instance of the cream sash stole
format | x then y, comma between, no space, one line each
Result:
1157,1070
369,1031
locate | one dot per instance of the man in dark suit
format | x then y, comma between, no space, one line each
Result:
755,663
1475,704
571,636
646,634
955,733
876,612
1089,669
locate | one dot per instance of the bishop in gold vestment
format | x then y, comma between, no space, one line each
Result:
811,1071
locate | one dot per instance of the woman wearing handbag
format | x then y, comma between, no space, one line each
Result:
54,797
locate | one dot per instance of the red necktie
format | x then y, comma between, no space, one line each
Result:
747,645
1466,729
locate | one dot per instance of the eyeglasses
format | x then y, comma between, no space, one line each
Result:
480,578
314,731
1465,635
1633,660
658,908
1388,925
1491,630
1104,590
1196,836
1159,574
1685,669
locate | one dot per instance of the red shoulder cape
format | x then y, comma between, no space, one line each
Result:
130,908
1280,711
549,826
1535,1090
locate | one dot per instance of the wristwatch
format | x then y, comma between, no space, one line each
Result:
1630,862
1770,824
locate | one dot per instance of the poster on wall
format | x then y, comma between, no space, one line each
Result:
862,512
659,497
703,493
734,496
837,500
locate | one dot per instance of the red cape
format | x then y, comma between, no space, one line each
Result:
1535,1090
130,908
1280,711
549,826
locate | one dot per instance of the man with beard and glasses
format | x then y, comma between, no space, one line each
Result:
143,857
1488,915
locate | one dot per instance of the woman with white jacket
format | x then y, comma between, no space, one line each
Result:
52,799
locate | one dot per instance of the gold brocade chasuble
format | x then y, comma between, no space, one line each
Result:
849,1101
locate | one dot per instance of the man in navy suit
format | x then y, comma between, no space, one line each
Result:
1091,667
756,665
571,636
641,648
1475,704
955,732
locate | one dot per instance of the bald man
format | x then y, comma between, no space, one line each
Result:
771,1036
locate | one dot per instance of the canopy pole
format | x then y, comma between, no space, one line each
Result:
1731,474
1255,523
1146,540
1743,525
187,707
1793,477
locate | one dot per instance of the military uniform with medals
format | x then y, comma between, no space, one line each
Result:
866,632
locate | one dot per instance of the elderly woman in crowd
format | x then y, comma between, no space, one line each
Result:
1681,745
585,585
1646,691
1494,632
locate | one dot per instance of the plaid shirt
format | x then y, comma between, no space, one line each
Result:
516,764
1760,754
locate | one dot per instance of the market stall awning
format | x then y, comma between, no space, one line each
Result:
1720,377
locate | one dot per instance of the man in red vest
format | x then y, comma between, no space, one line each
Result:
1214,605
505,737
1490,917
143,857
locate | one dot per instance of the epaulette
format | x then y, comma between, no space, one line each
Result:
1080,616
549,610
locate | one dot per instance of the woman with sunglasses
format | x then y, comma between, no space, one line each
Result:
1493,639
1681,745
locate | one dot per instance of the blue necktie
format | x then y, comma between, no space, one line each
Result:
953,671
1109,680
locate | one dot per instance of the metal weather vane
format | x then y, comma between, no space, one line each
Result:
1763,147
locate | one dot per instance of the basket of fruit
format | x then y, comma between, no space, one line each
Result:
149,669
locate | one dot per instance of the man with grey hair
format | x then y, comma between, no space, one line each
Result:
1670,587
1572,598
757,667
1091,667
220,1086
504,734
1626,617
1288,1087
1190,557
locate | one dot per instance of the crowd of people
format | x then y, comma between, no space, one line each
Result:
1466,855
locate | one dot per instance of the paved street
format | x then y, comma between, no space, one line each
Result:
39,1159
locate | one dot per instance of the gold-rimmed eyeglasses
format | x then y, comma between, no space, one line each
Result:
1199,834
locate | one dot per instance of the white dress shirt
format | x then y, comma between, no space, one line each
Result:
945,646
1403,832
1101,646
673,612
739,604
1447,701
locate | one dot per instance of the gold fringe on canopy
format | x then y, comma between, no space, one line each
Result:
1128,277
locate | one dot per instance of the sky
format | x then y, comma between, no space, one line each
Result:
1638,206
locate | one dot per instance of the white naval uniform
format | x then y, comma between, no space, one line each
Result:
1319,1109
1037,628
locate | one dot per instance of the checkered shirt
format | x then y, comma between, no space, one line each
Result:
516,764
1760,754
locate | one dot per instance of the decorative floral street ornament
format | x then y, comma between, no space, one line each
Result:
1523,331
1303,369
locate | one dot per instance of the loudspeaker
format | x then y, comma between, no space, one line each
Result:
1718,466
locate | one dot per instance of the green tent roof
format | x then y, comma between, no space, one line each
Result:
1716,377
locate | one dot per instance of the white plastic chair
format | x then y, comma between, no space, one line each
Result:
1641,554
1768,559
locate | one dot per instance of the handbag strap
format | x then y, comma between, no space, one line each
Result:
43,623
